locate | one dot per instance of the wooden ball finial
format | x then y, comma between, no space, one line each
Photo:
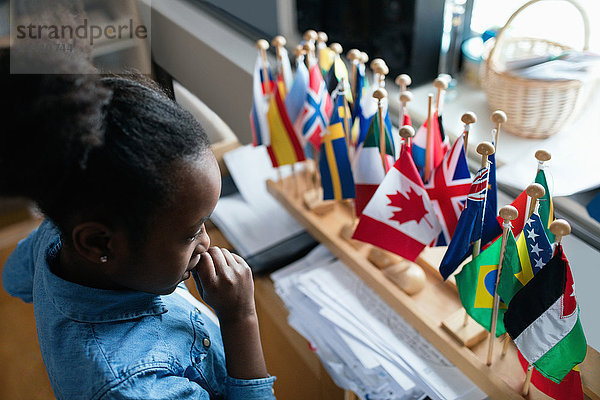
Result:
375,63
405,97
262,44
469,117
364,57
498,117
485,149
440,84
322,37
336,47
278,41
310,34
299,51
309,47
509,213
560,228
353,54
543,155
535,190
382,69
380,93
403,80
407,132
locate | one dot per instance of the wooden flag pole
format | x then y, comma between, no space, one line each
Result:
278,42
373,65
498,117
527,383
380,94
262,45
485,149
428,148
353,56
542,156
404,81
467,118
405,97
309,50
441,85
507,213
382,71
300,52
560,228
407,132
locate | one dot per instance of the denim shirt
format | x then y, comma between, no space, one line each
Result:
108,344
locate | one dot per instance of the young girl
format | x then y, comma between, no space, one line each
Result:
126,180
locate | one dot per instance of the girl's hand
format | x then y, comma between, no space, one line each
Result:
225,283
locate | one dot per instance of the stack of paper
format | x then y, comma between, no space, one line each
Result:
363,343
252,220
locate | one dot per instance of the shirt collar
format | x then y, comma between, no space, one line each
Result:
85,304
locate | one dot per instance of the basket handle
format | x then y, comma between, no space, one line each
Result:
586,24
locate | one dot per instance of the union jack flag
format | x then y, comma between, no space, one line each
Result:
448,190
317,110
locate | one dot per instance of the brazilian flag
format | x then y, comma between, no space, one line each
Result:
477,282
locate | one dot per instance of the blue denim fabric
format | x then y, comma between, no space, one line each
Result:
104,344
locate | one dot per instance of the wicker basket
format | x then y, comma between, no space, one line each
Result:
535,108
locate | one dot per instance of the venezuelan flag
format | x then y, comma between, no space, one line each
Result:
334,164
285,147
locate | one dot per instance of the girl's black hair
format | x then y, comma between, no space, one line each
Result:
86,147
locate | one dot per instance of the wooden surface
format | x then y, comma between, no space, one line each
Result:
426,309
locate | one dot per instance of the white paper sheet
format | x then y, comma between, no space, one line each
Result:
363,343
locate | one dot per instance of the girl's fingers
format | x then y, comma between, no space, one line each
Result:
206,268
219,260
229,257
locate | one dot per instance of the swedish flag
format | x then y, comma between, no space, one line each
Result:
334,163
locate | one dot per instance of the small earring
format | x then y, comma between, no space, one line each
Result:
104,259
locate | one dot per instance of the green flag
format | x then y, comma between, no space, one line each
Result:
477,281
546,209
510,283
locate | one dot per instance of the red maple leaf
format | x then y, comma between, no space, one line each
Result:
412,207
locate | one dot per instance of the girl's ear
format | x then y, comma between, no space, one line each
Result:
91,241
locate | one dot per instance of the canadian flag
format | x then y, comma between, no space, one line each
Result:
399,217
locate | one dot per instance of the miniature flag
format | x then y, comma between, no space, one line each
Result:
543,320
286,68
359,84
420,147
325,56
334,164
399,218
534,248
368,166
476,282
546,212
568,389
368,110
294,101
448,190
336,73
317,109
285,147
546,209
260,105
469,226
